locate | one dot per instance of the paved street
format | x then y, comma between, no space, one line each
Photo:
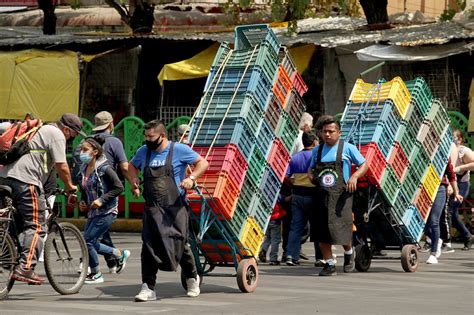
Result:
446,288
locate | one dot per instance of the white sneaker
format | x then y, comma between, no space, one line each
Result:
438,249
432,260
122,261
79,270
193,287
145,294
113,269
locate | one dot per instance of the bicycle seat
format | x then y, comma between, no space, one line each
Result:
7,189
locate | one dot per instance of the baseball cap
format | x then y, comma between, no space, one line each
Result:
102,120
183,129
73,122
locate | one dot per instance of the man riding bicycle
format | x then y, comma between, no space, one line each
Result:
26,177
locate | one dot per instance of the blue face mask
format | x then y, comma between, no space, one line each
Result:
85,157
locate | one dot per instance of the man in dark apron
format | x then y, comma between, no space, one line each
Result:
329,170
165,218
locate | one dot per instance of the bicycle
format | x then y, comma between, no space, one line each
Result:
66,257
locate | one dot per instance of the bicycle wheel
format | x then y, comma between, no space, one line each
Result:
7,265
66,259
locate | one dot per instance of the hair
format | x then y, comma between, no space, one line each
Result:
459,131
306,119
308,139
96,143
156,124
326,120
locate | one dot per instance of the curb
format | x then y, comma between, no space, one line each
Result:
119,225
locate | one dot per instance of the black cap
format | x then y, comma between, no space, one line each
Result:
73,122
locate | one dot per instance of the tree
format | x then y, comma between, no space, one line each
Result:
140,17
375,11
49,19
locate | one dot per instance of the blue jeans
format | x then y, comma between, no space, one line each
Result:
432,224
453,210
94,230
301,207
273,238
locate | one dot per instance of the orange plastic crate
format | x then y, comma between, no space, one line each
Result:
423,203
282,86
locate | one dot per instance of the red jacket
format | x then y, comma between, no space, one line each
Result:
278,212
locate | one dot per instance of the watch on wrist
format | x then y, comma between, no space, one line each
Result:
192,177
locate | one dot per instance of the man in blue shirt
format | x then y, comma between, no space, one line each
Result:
165,218
329,170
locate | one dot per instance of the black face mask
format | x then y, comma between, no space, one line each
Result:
153,145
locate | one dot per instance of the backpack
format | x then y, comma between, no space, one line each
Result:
14,142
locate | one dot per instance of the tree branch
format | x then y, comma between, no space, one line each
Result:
123,13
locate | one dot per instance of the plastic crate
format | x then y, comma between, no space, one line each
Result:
223,192
286,61
233,131
295,107
252,237
390,186
273,112
441,155
248,36
361,133
398,161
406,138
261,212
419,162
438,117
270,187
390,129
414,224
414,118
262,56
265,138
375,162
278,159
400,206
299,83
421,95
257,165
431,182
237,223
431,142
394,90
423,132
423,203
410,186
227,159
247,195
287,131
367,112
243,106
282,86
239,81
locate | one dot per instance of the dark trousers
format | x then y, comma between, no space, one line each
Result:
150,266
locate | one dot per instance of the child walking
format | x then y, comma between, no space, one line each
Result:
273,235
100,187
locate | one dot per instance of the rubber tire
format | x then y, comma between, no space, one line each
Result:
183,281
247,275
409,258
11,249
363,257
49,247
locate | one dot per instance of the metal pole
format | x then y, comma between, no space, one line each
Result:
372,68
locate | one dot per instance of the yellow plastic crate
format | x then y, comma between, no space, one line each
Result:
252,237
394,90
431,182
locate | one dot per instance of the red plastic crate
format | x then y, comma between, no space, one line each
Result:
298,83
223,191
375,161
423,203
279,159
227,159
398,161
282,86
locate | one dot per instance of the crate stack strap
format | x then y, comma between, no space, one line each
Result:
246,126
405,136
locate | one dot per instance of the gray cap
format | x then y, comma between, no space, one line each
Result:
102,120
182,129
73,122
4,126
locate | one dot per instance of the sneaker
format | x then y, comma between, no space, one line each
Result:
426,248
94,278
468,243
438,249
446,248
328,270
274,263
291,262
320,263
263,256
122,261
349,264
193,287
432,260
113,269
145,294
303,256
28,276
79,270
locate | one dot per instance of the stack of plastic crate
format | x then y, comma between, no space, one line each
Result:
246,126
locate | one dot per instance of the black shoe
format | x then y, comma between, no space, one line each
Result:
468,243
349,264
291,262
303,256
328,270
274,263
319,263
28,276
263,256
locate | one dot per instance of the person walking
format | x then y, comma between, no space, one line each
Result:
273,234
165,218
329,170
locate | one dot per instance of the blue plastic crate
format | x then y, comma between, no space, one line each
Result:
265,138
232,131
270,187
414,224
360,134
402,202
441,155
367,112
248,36
261,212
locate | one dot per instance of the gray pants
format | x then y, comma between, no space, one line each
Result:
273,238
30,202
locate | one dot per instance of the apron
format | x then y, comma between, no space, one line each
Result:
334,219
165,218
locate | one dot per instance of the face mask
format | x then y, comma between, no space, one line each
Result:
85,157
153,145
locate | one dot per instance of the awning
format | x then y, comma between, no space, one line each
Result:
199,65
43,83
379,52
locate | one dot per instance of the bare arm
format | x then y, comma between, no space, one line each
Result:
124,169
132,177
468,162
200,166
352,183
65,175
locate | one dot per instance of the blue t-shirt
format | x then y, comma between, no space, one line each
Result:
298,168
350,155
183,155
